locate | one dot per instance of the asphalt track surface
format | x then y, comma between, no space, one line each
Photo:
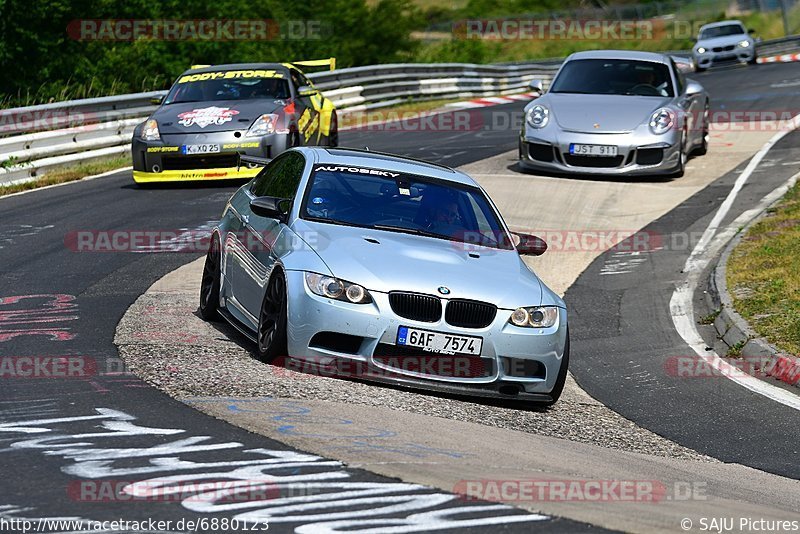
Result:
70,305
72,302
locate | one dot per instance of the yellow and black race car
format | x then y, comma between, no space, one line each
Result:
214,113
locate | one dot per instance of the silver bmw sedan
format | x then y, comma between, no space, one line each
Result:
385,268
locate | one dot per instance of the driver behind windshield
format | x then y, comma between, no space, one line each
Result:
648,78
439,211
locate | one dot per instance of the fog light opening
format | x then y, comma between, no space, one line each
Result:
156,168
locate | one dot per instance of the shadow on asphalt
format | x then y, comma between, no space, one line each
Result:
177,186
234,335
621,178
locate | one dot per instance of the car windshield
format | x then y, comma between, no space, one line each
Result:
384,200
614,77
228,85
722,31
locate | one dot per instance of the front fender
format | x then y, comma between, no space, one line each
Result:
298,252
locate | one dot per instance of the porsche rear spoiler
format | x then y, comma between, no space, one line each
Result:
252,160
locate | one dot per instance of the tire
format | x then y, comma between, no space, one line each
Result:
271,335
702,150
333,134
210,282
558,388
753,61
682,158
294,139
699,69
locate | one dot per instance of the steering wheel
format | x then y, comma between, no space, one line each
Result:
645,89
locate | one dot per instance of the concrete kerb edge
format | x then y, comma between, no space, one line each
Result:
735,332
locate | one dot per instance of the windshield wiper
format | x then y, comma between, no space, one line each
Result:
415,231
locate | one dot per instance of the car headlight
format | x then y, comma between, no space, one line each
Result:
150,131
701,50
661,121
333,288
536,317
538,116
744,44
266,124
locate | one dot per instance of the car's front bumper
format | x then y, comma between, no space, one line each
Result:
548,149
736,54
164,160
515,362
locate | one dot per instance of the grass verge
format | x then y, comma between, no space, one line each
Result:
69,174
764,275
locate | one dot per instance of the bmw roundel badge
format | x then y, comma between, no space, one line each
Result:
444,290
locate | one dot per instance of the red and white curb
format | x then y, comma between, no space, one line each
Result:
784,58
784,368
492,101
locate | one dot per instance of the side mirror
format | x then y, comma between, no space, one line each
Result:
751,31
529,245
693,88
306,90
270,207
536,86
157,100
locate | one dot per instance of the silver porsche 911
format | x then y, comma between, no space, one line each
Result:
615,112
385,268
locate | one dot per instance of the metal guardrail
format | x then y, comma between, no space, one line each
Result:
41,138
36,139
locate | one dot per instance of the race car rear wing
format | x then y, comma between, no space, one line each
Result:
251,161
331,62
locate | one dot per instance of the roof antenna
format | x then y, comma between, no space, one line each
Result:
366,148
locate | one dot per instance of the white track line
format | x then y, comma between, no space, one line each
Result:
85,179
681,307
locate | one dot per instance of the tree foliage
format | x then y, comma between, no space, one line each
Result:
41,60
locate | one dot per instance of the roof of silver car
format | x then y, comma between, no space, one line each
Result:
384,161
620,54
721,23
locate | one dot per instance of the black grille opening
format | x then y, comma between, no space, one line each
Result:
593,161
540,152
522,368
423,308
415,360
649,156
202,161
723,48
336,342
469,313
